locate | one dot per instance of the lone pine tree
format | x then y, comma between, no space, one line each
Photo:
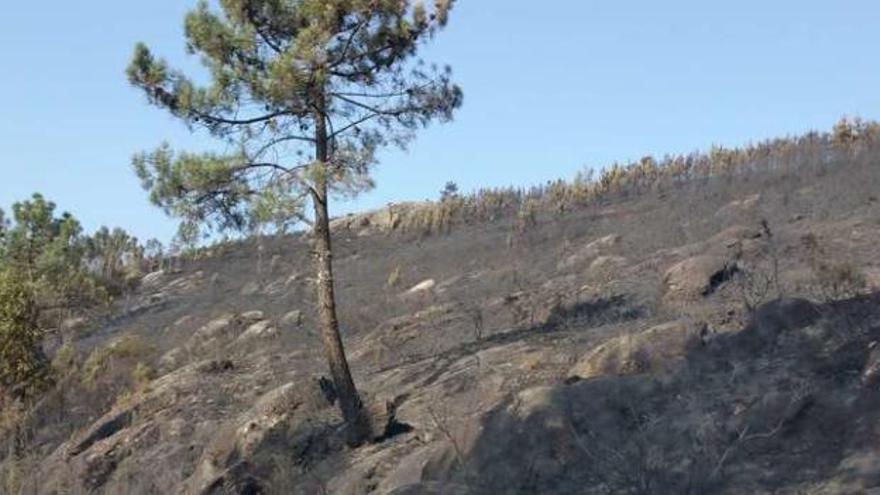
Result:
303,93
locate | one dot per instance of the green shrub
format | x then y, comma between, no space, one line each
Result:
24,368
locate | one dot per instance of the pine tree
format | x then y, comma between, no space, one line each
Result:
41,272
303,92
47,251
449,192
24,367
114,255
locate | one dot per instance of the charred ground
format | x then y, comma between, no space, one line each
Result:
711,335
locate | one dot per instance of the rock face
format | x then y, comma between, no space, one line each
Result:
236,461
647,351
196,450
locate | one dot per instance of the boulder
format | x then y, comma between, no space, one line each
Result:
252,316
259,330
212,333
186,283
698,276
152,279
589,252
231,461
422,287
647,351
213,328
381,220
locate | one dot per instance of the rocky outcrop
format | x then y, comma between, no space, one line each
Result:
589,252
698,276
282,423
648,351
179,433
383,220
259,330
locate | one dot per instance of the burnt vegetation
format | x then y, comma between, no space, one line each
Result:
556,348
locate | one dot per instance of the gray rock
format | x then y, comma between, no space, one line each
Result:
647,351
589,252
259,330
698,276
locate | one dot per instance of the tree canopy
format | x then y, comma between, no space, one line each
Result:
50,269
280,70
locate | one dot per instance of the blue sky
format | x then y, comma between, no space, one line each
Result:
550,87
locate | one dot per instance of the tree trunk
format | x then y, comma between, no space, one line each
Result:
353,412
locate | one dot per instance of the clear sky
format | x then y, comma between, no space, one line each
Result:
550,87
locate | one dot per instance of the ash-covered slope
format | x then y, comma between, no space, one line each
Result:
710,337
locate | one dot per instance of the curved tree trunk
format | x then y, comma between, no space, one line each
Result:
353,411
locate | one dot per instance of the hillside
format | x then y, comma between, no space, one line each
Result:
709,335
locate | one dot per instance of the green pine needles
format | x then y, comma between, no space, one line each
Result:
303,93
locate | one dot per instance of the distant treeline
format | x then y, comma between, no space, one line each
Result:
848,140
